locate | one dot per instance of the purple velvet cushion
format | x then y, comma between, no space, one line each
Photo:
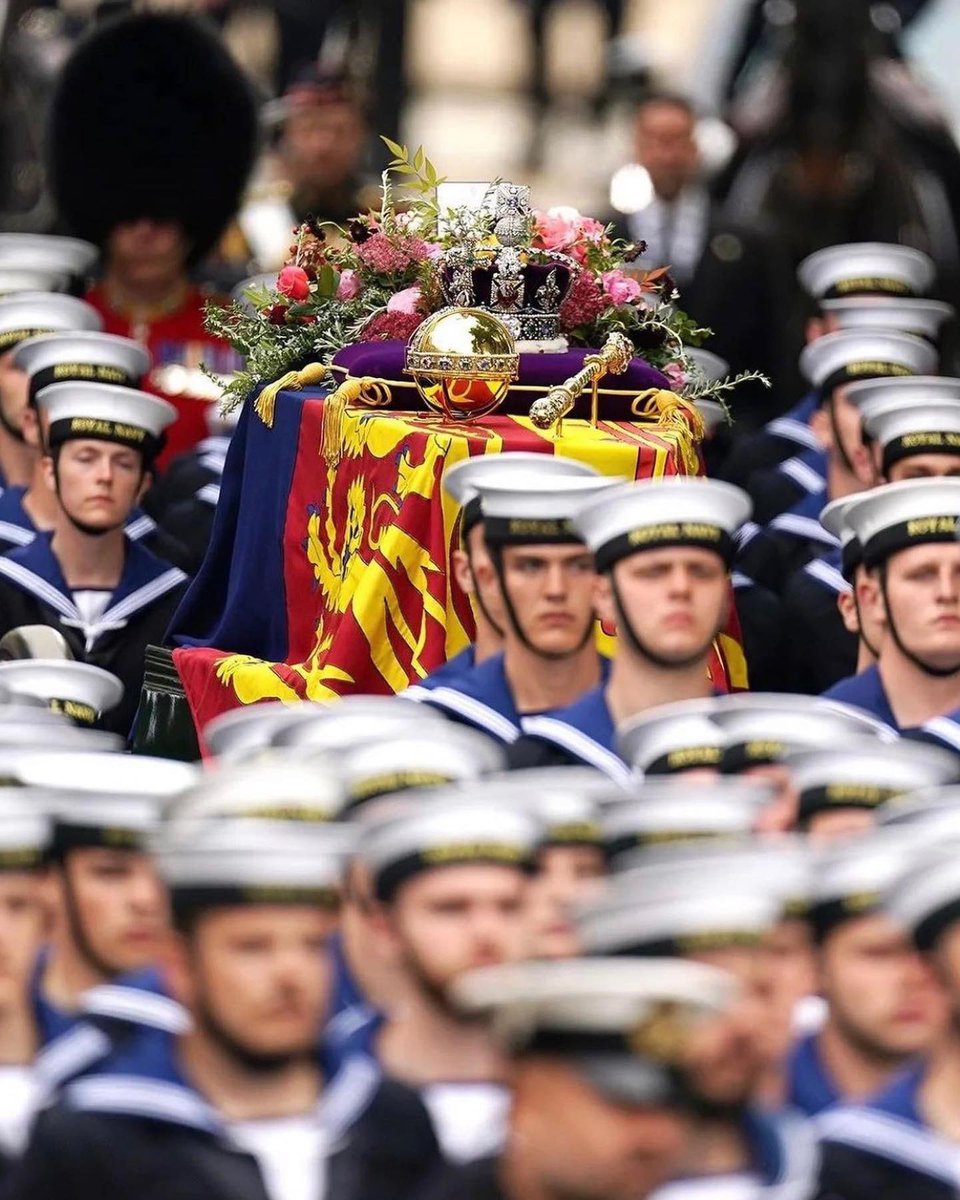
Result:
384,360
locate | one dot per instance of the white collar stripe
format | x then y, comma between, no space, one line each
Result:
140,527
945,729
803,474
75,1050
16,533
474,710
39,587
579,743
805,526
794,431
131,1004
827,574
134,1096
887,1137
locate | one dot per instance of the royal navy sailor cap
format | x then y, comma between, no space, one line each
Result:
866,268
80,690
27,314
624,1026
685,903
244,733
671,738
272,789
897,516
43,262
355,721
569,816
904,429
25,830
105,412
910,389
29,731
864,774
472,826
89,357
235,861
440,754
652,513
532,509
851,355
923,318
853,876
103,799
927,805
671,811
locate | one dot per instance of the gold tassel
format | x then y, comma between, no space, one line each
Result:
677,414
266,402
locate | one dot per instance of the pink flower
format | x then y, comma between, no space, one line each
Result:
433,251
620,288
293,282
676,374
390,326
558,228
392,256
591,229
348,287
406,301
584,302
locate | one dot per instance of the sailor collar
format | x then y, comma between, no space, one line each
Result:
803,521
145,578
810,1089
584,729
139,1075
481,697
16,526
864,690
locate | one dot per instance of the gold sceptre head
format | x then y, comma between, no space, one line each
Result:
613,359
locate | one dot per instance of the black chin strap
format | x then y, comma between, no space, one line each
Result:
625,626
925,667
496,554
479,598
862,635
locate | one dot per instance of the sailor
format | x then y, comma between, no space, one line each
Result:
832,363
883,1007
911,586
64,358
545,577
851,270
840,791
601,1106
912,424
217,1078
450,873
663,550
44,262
109,910
24,837
108,596
903,1141
22,317
715,906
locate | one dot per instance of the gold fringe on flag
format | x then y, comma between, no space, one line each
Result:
677,415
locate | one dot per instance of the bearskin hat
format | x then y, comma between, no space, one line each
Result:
151,118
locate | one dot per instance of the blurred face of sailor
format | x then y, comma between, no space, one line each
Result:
568,1140
792,976
145,252
566,876
14,390
842,434
23,922
839,823
550,589
448,920
727,1055
115,907
924,466
257,979
882,997
675,600
99,483
780,812
322,146
665,144
923,595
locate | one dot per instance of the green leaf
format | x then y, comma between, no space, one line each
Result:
419,159
326,281
395,148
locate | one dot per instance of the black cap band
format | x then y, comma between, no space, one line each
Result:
919,531
13,337
688,758
371,787
529,531
927,933
842,795
82,714
392,875
697,534
22,858
573,833
67,837
912,444
868,285
854,372
825,916
192,897
851,557
79,372
98,430
756,753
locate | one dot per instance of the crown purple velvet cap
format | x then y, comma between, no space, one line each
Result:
385,360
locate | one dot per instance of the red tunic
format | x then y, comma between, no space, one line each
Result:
175,338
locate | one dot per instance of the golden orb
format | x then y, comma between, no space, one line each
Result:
463,361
